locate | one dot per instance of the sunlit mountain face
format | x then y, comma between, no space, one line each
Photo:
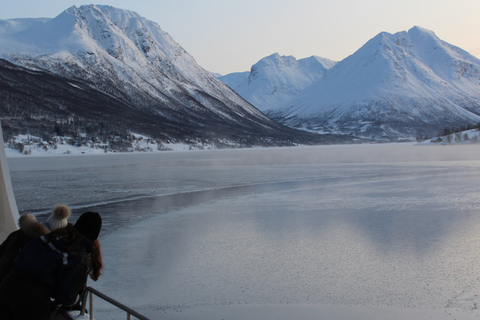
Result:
395,86
108,67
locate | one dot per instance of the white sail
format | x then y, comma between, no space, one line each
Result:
8,207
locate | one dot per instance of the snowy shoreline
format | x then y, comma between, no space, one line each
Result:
69,150
464,138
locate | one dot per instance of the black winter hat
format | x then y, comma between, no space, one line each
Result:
89,224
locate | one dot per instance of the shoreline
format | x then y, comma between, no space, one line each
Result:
143,146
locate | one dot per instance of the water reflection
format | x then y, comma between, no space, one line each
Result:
275,247
396,208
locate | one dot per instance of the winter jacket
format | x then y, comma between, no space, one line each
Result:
30,228
44,270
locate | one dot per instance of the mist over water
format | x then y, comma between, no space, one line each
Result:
369,226
42,182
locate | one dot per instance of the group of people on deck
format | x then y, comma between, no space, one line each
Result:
44,266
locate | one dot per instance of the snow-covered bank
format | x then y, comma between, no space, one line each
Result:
67,150
461,137
28,146
144,144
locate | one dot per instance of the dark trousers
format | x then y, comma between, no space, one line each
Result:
24,298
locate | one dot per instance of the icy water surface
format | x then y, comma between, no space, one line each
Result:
370,227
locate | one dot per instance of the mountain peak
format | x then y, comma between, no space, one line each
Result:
396,85
89,31
119,17
419,31
151,82
276,79
318,63
99,9
413,37
275,61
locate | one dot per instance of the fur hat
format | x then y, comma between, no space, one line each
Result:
89,224
58,219
28,223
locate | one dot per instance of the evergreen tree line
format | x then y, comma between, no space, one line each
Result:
450,135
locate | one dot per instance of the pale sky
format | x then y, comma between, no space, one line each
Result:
227,36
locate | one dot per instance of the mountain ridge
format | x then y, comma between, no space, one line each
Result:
395,86
118,53
276,78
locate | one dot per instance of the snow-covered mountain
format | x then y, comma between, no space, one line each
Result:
396,85
120,54
276,79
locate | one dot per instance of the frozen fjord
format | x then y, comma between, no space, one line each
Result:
369,227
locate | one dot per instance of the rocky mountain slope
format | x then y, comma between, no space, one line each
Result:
107,67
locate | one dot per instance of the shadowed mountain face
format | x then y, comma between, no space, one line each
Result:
38,101
104,67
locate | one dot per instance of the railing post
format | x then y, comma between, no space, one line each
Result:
90,291
91,305
84,301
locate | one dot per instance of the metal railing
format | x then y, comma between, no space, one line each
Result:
89,292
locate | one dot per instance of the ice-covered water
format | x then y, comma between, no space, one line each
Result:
340,232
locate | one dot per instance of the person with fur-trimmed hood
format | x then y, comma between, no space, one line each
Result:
51,270
30,229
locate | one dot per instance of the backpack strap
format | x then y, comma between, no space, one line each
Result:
64,254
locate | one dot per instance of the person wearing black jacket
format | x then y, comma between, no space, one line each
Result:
52,270
30,228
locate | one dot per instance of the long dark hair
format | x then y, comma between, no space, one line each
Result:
73,238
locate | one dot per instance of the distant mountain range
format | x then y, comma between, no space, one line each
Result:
398,85
107,71
104,71
276,79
